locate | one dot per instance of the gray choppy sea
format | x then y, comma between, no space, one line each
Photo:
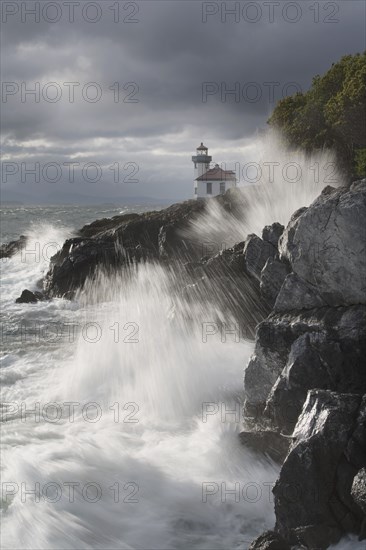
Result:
17,220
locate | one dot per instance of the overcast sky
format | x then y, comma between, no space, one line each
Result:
127,90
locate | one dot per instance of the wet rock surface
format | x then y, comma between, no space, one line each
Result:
29,297
9,249
311,495
307,376
326,245
358,490
118,242
273,276
266,442
295,294
272,233
256,253
270,540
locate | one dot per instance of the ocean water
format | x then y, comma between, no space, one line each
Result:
18,219
120,415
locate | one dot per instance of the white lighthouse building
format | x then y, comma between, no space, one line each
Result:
209,182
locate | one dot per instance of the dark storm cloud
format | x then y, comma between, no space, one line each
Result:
168,55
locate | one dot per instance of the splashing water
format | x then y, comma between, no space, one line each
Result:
150,378
282,182
28,267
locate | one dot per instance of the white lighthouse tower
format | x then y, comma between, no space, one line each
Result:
201,162
210,182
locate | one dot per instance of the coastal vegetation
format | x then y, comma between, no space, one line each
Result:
331,114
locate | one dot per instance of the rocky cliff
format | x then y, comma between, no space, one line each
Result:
306,381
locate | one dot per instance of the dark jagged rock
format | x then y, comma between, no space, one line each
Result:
231,260
308,369
358,493
272,233
270,540
77,260
28,297
266,442
112,243
326,245
356,448
312,502
104,224
305,369
296,294
321,348
256,253
9,249
273,275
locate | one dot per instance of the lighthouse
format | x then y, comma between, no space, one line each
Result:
210,182
201,161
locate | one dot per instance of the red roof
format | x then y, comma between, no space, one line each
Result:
217,173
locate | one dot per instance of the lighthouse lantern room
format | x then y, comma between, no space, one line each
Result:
201,161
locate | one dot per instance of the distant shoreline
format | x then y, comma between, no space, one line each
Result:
128,201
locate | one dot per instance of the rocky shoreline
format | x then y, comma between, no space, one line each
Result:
307,377
301,292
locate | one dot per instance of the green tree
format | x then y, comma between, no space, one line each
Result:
331,114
